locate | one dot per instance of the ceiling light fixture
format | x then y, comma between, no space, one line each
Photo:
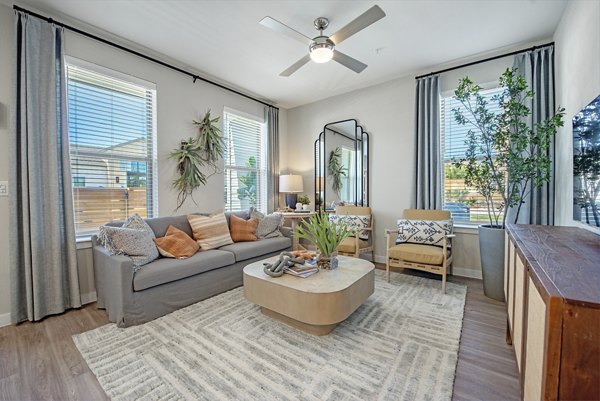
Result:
321,49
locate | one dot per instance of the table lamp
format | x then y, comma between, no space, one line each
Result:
291,185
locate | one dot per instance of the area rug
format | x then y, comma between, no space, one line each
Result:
401,344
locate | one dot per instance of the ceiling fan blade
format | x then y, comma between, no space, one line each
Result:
369,17
296,66
284,29
349,62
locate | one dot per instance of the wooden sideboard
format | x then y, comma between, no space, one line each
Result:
552,289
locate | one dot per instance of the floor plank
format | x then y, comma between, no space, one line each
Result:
40,360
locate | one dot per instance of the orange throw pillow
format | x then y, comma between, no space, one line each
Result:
176,244
242,230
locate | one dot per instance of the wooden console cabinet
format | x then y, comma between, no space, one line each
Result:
552,288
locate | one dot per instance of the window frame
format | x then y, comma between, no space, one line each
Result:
262,163
486,87
151,159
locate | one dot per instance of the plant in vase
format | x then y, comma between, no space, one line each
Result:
505,159
326,235
305,200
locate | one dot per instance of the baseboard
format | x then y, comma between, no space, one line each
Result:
464,272
4,319
380,259
88,298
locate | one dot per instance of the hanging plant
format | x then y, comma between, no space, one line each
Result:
195,155
336,170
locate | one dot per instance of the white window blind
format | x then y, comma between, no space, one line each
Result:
463,201
112,141
245,162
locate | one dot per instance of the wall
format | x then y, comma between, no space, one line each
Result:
577,83
387,112
179,101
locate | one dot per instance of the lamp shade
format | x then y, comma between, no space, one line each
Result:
290,183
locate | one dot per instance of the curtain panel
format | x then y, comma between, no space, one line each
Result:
428,184
272,117
43,259
537,67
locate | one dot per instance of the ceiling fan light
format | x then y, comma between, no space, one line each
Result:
321,54
321,50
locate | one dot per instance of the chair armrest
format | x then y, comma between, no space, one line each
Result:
391,237
450,235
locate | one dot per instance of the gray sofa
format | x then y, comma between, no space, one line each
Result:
166,284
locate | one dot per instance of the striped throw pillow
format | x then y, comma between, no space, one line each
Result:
243,230
210,231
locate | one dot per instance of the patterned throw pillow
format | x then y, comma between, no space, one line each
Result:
357,222
243,230
176,244
268,225
210,231
134,239
428,232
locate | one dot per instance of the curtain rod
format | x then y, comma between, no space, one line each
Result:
144,56
485,60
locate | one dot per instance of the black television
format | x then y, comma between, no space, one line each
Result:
586,164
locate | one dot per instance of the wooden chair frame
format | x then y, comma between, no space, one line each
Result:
357,249
442,269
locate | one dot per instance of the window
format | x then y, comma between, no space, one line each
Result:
464,202
112,132
245,162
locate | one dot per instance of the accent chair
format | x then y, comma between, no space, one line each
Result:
355,245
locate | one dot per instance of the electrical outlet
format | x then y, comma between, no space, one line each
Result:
3,188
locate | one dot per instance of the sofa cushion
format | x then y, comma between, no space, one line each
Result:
160,225
176,244
428,254
242,214
165,270
242,230
134,238
268,225
248,250
210,231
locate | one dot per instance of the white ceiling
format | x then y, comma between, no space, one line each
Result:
223,38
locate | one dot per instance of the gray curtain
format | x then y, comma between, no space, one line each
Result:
43,258
427,125
273,162
537,67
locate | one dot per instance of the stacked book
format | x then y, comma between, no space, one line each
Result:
305,270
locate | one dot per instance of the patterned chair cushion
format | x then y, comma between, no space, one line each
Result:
268,225
426,232
357,222
134,239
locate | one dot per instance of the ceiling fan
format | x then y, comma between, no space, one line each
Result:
321,48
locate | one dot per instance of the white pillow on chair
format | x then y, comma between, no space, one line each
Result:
425,232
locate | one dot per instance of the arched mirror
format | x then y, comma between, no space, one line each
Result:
341,165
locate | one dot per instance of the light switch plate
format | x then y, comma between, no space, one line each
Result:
3,188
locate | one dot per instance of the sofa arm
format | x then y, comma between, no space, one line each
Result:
114,282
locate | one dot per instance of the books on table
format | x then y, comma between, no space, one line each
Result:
303,271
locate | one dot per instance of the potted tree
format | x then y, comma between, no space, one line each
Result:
505,159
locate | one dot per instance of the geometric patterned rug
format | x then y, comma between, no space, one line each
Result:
401,344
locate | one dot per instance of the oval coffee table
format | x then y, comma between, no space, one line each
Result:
314,304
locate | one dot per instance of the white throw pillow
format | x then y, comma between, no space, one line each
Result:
427,232
357,222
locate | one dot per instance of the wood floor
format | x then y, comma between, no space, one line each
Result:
40,361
